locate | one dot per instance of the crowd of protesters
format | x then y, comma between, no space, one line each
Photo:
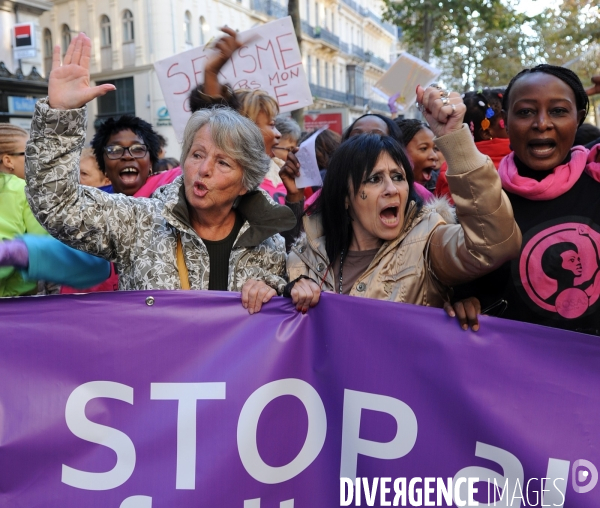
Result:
490,202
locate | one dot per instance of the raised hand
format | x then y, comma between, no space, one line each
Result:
224,48
288,174
443,111
69,83
595,88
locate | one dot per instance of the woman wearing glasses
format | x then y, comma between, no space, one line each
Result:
126,150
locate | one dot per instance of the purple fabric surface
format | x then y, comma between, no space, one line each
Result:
530,391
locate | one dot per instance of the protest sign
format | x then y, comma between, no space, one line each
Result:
307,157
270,61
402,78
110,402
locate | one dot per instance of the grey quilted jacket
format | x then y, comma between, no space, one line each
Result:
140,234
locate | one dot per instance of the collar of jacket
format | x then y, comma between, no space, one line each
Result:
264,217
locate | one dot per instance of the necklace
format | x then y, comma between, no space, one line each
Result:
341,283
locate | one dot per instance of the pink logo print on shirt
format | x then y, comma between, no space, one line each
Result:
560,269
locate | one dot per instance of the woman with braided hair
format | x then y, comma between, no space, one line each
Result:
484,118
554,190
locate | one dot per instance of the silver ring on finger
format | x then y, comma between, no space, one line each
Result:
444,93
435,85
453,106
445,101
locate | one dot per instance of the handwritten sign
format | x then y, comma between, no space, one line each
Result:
403,77
270,61
307,157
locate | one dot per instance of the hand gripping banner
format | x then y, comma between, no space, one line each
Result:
181,399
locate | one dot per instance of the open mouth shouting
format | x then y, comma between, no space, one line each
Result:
390,215
129,176
426,173
541,148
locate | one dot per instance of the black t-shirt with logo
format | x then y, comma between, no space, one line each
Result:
555,281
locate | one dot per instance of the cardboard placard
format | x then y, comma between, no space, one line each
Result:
270,61
307,157
403,77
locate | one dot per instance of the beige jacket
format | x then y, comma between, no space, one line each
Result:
432,253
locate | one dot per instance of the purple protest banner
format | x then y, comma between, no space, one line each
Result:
108,401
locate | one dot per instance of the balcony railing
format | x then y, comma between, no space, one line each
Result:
370,14
317,32
358,51
345,98
370,57
384,24
327,36
307,29
270,7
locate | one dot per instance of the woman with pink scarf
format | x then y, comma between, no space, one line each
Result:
554,189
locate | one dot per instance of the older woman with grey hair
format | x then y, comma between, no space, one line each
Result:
209,229
290,135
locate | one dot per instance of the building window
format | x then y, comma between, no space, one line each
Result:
318,72
105,36
117,103
187,27
128,33
333,70
203,30
309,69
308,11
48,48
65,38
316,13
326,83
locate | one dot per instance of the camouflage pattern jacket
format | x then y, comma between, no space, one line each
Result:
140,234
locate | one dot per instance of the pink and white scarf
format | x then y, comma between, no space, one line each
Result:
561,179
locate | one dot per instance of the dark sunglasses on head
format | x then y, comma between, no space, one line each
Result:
15,154
137,151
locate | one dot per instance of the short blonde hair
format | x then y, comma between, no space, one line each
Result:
253,102
9,136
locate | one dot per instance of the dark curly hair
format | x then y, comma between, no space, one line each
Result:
489,97
199,100
582,100
126,122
